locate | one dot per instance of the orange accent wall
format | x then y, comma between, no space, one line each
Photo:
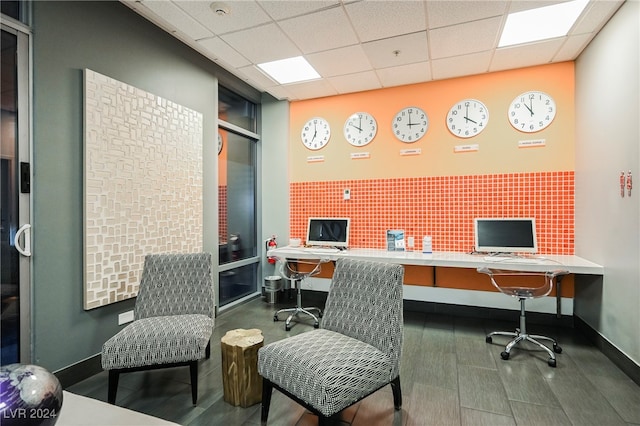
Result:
439,191
498,145
443,207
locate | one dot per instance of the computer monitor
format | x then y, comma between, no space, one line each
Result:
328,231
505,235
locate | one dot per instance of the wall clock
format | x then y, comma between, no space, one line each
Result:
219,143
467,118
315,133
360,129
532,111
410,124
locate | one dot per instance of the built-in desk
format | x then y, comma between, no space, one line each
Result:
425,268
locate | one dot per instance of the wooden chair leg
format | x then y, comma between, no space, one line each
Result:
397,393
193,369
114,375
267,390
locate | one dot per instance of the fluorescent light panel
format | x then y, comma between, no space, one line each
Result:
290,70
541,23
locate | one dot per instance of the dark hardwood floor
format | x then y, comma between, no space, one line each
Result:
449,374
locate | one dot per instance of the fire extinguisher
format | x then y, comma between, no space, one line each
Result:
271,244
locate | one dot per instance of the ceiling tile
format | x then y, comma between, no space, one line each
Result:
244,14
404,74
346,60
519,6
457,66
446,13
311,89
525,56
320,31
463,39
374,20
224,52
262,44
177,18
412,48
282,9
595,16
356,82
256,75
572,47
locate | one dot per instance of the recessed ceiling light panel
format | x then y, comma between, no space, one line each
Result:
290,70
541,23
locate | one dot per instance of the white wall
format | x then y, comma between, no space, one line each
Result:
607,142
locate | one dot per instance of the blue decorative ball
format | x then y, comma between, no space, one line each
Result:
29,396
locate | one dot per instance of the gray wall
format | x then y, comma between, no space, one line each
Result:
109,38
275,174
607,142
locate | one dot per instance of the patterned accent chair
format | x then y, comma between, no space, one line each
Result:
355,352
174,318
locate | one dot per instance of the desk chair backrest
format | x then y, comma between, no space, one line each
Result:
175,284
365,302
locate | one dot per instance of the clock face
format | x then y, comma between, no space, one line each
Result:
410,124
219,142
315,133
467,118
532,111
360,129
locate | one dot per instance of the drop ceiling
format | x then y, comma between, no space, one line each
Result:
366,44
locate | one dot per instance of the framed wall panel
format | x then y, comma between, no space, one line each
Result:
142,184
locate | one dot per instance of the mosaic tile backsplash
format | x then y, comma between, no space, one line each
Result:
443,207
143,185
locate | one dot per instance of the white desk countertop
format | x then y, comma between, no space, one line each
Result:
545,262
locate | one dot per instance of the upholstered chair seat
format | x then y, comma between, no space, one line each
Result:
173,320
355,352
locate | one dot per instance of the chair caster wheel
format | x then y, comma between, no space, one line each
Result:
275,318
488,339
504,355
557,349
316,325
551,362
287,328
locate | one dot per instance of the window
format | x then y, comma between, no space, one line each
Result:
237,183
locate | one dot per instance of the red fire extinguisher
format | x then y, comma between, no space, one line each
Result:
272,244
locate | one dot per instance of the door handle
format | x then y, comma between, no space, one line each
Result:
26,230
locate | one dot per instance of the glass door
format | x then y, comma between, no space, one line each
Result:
15,181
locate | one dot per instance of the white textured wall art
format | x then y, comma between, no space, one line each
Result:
142,184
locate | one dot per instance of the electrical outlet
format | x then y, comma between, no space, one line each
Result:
347,194
125,317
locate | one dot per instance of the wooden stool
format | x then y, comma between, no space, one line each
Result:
240,379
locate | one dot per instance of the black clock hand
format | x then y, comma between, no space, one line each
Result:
530,109
315,131
468,119
353,125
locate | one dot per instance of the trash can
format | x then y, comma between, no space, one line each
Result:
272,287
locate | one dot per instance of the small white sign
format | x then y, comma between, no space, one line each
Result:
532,143
359,155
315,158
466,148
414,151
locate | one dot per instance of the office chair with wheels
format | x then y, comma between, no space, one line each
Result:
297,277
543,286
